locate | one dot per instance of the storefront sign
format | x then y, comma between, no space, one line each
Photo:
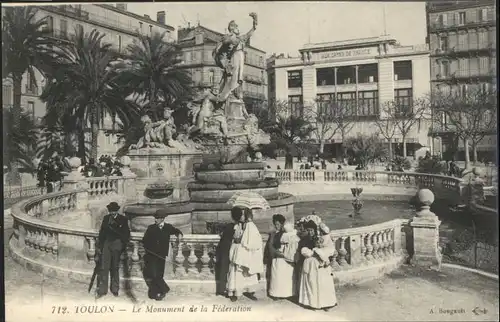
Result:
345,53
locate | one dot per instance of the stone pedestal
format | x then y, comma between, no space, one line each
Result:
80,216
156,168
234,109
425,226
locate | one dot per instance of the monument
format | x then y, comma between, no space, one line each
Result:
221,146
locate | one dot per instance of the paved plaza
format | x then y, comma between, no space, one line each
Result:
408,294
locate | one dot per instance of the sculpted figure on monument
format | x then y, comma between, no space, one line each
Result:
210,114
230,56
157,134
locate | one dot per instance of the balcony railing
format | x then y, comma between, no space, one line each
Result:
464,49
437,26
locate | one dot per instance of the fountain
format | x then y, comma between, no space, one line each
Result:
221,147
357,204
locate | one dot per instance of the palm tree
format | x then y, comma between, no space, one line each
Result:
19,143
150,70
26,46
84,84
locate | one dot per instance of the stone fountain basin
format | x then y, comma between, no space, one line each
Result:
228,176
213,166
142,215
221,192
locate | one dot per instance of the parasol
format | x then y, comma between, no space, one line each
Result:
247,199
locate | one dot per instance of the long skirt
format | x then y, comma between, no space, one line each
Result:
317,289
238,278
282,282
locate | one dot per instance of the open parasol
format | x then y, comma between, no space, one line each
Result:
247,199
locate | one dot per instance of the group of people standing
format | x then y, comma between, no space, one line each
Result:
297,261
297,258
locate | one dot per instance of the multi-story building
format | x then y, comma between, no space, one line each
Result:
198,43
120,27
462,42
365,73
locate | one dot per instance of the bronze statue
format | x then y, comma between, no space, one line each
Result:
230,56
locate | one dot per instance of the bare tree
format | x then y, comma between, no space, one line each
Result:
472,113
387,126
322,118
406,114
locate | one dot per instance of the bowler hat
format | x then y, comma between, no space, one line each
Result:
113,206
160,213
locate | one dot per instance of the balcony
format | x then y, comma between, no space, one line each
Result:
253,79
438,27
465,50
464,75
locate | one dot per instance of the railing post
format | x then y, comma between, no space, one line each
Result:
319,175
425,226
356,254
128,188
76,181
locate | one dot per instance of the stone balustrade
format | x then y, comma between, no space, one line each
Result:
41,245
445,187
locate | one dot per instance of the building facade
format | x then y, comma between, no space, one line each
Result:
365,73
198,43
462,42
120,28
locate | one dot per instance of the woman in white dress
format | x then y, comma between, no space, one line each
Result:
282,283
317,290
246,258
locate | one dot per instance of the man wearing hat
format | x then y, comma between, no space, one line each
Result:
156,242
113,238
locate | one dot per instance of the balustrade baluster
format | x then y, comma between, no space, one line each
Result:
390,240
135,267
335,265
192,259
179,260
342,253
382,252
369,247
50,242
43,240
36,241
205,260
363,248
376,246
55,247
91,250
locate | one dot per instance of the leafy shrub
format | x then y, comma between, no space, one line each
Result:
432,165
400,162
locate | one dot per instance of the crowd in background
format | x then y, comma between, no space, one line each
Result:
51,171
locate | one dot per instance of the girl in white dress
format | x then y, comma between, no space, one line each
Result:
282,283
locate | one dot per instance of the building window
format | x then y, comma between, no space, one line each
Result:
295,104
6,95
150,30
31,110
119,43
368,103
325,76
50,24
445,68
346,75
79,28
295,79
368,73
31,85
347,102
403,100
211,78
461,18
140,27
482,14
188,56
443,21
443,43
325,103
403,70
64,28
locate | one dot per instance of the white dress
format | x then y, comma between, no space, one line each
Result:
282,284
317,289
242,279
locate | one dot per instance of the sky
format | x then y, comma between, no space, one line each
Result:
284,27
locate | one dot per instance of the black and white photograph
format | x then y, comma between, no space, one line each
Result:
250,161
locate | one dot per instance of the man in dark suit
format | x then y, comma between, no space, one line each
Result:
113,238
156,242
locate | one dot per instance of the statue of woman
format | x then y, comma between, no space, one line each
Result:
230,56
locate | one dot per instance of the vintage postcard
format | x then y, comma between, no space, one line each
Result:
250,161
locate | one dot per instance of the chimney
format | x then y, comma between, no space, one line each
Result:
122,6
147,17
160,17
